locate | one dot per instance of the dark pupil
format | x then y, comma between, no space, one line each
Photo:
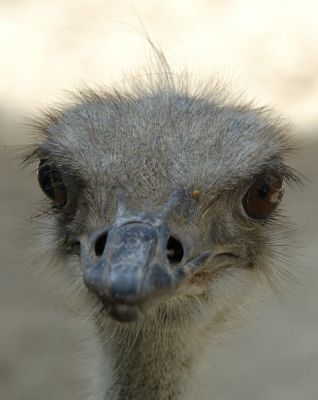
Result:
46,180
263,191
51,183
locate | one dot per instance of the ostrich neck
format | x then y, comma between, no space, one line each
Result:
154,363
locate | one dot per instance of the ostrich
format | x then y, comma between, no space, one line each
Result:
163,214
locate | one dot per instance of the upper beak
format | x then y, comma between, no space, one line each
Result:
129,263
125,266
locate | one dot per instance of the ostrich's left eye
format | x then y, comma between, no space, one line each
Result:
51,182
262,198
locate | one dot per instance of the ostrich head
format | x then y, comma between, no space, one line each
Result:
163,201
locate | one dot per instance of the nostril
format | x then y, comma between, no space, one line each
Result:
174,251
100,244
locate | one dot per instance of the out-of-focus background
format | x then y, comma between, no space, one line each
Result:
268,50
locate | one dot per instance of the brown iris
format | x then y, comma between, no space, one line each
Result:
51,182
262,198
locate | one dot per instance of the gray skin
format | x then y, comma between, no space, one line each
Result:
142,165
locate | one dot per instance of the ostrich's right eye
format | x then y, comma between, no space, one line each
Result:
51,182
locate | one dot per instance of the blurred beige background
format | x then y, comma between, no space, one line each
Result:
268,50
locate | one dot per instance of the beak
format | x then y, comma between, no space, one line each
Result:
132,262
127,264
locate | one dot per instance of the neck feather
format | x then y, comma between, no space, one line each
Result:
149,362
